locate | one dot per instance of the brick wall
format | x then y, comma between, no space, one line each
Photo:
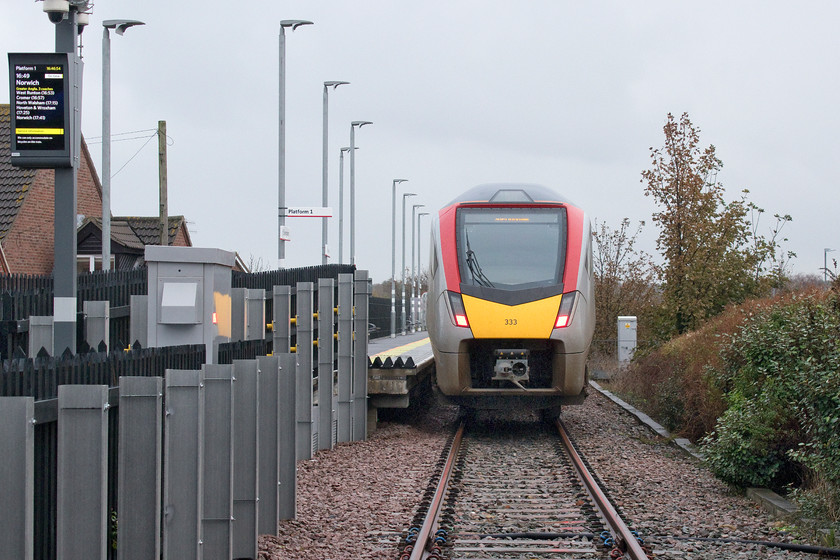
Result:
180,239
29,243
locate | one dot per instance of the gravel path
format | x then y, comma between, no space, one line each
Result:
355,500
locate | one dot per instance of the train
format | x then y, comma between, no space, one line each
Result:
510,310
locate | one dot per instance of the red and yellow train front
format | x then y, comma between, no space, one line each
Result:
513,315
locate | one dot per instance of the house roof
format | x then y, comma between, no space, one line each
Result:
14,181
136,232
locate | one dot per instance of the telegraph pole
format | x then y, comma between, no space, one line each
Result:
164,208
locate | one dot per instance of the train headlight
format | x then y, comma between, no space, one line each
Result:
567,309
459,315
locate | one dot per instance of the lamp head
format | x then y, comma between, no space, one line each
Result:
396,181
294,23
120,25
360,124
334,84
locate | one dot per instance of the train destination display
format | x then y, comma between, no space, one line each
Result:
40,93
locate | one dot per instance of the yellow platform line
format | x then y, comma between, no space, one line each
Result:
400,350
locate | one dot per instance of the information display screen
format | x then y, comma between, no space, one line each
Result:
41,103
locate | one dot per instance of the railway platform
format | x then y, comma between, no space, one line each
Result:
396,367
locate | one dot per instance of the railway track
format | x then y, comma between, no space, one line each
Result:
518,492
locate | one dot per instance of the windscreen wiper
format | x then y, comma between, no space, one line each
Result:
475,268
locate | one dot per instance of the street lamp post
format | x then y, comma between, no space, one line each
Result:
353,126
119,25
281,156
341,204
416,278
411,278
324,179
394,254
826,251
402,249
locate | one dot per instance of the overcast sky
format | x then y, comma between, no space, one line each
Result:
567,94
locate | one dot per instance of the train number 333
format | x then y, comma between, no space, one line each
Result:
510,322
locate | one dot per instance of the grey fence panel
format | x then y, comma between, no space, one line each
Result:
281,327
139,320
345,356
255,314
82,499
17,491
269,445
361,293
217,519
182,464
40,335
139,467
97,320
303,351
287,420
326,359
245,458
237,314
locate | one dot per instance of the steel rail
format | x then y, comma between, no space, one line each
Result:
624,539
424,537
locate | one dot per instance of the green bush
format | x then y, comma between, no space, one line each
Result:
780,378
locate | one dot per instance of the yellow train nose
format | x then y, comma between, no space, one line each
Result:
534,319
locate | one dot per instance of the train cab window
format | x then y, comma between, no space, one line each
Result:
511,248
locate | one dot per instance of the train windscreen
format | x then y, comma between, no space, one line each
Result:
511,248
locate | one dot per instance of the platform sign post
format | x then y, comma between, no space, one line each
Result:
41,94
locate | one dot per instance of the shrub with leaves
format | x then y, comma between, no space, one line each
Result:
780,377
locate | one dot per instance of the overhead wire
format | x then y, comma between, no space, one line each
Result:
169,142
